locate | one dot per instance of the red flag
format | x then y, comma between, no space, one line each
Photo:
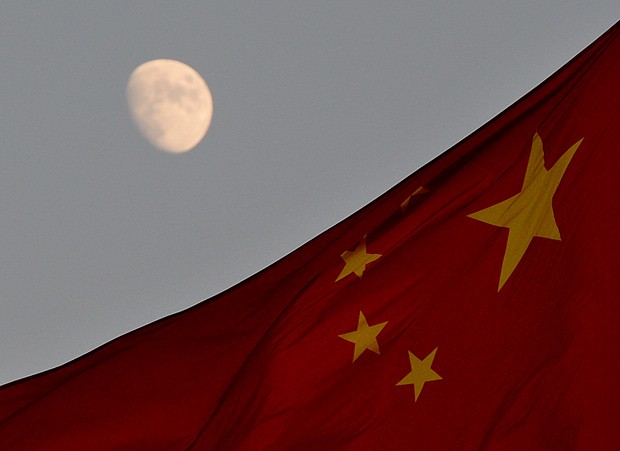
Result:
473,306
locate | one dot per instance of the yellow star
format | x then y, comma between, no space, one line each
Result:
405,203
356,261
529,213
421,372
365,337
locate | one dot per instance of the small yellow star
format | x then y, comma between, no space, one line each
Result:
356,261
529,213
421,372
365,337
405,204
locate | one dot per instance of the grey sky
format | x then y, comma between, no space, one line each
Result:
319,107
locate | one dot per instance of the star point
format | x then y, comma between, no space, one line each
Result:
356,260
419,190
364,337
528,214
421,372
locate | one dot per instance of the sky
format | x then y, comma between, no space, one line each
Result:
319,108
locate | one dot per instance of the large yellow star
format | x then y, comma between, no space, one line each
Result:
421,372
529,213
365,337
356,261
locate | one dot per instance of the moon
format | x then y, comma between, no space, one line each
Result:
170,103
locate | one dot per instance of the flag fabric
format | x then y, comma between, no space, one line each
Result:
476,305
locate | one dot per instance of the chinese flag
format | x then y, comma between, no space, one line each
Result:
476,305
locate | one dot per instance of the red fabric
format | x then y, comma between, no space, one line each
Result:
262,366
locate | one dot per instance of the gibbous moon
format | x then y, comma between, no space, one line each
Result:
170,103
